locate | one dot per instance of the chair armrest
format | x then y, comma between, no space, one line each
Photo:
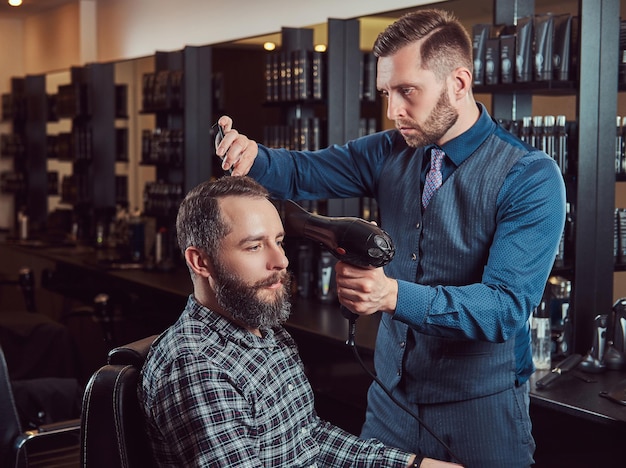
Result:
57,426
56,444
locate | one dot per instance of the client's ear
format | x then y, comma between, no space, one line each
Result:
198,261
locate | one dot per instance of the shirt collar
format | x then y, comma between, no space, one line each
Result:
461,147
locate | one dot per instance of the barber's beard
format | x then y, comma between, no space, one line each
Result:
440,120
250,304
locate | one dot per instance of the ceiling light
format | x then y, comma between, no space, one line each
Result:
15,2
269,45
320,47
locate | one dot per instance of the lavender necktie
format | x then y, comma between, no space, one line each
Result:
434,177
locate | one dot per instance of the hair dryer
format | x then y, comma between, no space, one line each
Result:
349,239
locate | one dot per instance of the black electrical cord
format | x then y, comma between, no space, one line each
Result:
352,343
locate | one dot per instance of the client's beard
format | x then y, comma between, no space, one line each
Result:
243,302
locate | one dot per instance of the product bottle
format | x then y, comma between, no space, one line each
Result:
569,233
22,219
549,137
560,132
525,132
536,135
618,146
622,165
305,269
326,287
558,303
540,335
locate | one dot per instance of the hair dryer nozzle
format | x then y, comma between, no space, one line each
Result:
349,239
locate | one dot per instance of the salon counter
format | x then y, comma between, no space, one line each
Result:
577,393
574,426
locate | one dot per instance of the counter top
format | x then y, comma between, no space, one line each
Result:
578,393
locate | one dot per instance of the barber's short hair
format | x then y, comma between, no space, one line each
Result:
446,43
199,222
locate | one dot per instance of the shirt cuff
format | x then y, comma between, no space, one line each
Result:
395,457
259,167
414,302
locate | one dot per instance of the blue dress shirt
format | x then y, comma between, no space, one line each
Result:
531,214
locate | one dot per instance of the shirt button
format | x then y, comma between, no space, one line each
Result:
304,431
413,257
290,387
398,373
402,344
418,225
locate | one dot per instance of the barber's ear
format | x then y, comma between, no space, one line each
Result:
462,81
198,262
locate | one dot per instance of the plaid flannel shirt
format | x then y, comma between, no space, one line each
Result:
213,394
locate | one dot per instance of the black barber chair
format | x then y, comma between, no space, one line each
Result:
48,445
112,428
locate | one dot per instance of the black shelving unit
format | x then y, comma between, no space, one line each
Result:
292,88
337,104
35,163
89,100
179,94
597,108
344,100
594,191
25,107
